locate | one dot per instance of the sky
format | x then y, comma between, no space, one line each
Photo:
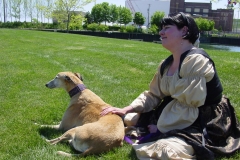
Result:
215,5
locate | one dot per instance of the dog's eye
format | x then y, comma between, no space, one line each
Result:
67,78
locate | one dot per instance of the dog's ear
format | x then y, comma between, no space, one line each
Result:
79,76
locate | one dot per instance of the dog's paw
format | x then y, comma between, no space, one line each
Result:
64,154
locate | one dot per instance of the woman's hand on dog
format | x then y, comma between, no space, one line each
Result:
115,110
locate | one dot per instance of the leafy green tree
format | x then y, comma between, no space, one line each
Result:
48,9
106,12
139,19
114,13
88,18
125,15
25,9
156,18
64,8
16,12
97,13
205,24
30,9
76,22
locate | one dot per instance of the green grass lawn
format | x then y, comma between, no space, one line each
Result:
116,70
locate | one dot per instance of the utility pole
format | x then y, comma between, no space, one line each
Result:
4,11
237,22
148,14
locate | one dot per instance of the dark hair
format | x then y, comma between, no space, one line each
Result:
180,20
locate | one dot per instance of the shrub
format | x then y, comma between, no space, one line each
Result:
131,29
153,29
93,27
114,28
123,29
102,28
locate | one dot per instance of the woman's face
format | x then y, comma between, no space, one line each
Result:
171,36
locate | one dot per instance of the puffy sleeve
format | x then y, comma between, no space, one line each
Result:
195,72
147,100
188,93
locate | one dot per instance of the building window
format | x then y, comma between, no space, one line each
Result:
196,9
205,15
188,9
205,10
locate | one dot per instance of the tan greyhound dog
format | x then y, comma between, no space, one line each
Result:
87,131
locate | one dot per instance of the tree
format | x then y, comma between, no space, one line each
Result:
125,15
25,9
16,12
76,22
66,7
106,12
138,19
97,13
48,9
205,24
30,9
114,13
156,18
88,18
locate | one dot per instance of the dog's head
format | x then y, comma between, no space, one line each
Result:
66,80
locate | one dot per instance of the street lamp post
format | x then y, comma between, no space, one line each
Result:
148,15
4,11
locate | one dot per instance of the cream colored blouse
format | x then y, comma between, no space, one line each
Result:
189,93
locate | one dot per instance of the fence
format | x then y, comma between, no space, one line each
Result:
154,38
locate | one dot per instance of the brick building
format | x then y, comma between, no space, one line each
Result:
223,18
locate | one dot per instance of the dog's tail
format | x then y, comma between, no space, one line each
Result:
67,154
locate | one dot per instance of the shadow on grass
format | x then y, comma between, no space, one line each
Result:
132,155
51,133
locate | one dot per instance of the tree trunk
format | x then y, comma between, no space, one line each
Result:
68,20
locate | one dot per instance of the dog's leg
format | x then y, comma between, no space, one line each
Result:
88,151
52,126
68,154
66,136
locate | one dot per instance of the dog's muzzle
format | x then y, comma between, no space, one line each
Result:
50,85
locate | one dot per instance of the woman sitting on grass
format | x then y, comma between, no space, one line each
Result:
195,120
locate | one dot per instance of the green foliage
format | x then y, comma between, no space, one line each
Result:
76,22
153,29
123,29
106,12
92,27
88,18
116,70
139,19
114,28
110,13
130,29
64,9
97,13
29,25
114,13
156,18
205,24
125,15
102,28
